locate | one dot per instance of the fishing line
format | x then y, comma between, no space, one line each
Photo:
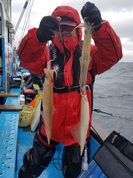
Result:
58,159
57,164
61,39
49,56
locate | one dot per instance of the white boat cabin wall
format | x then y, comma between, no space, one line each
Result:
6,40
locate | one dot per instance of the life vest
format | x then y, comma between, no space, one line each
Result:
58,65
67,100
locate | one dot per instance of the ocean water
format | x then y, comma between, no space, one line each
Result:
113,97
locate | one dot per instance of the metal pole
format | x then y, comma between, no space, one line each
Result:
21,15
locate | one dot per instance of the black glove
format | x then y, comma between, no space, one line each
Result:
46,28
91,14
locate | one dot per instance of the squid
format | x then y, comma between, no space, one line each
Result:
47,102
84,110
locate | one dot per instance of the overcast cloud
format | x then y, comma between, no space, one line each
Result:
118,12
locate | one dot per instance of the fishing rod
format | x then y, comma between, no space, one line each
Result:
27,17
21,15
103,112
99,111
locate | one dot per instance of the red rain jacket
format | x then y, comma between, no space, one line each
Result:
106,52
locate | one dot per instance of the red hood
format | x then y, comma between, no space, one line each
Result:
70,12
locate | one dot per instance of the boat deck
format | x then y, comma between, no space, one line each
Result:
8,143
16,141
8,137
25,138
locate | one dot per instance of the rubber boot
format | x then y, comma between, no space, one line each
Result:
71,161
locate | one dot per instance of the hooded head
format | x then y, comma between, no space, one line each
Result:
69,16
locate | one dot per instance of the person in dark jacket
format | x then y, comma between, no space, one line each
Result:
64,51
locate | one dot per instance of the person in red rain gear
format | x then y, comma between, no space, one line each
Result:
65,49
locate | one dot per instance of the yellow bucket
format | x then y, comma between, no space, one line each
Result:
25,116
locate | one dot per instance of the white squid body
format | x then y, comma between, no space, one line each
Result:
85,60
84,122
48,102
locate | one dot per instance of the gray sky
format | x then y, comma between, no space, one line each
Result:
118,12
